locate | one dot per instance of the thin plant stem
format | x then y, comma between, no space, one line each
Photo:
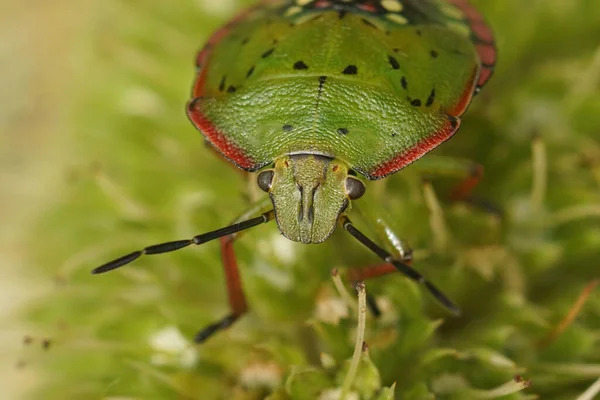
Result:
591,392
571,315
515,385
540,173
360,339
339,285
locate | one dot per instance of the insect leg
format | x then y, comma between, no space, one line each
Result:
400,249
469,172
372,271
357,274
399,265
235,291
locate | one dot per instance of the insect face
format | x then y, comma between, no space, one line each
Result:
308,193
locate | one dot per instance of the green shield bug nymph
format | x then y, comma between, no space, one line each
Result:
314,94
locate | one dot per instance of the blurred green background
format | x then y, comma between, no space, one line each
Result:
97,159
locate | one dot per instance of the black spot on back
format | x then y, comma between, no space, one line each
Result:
268,53
250,72
434,54
231,89
342,131
300,65
350,70
393,62
322,80
416,103
404,83
431,98
222,84
287,128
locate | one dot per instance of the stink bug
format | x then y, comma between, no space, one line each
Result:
313,94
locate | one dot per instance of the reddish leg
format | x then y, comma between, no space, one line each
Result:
401,250
400,266
226,235
374,271
237,299
469,173
462,191
235,292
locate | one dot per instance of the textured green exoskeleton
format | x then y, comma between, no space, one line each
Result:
373,85
317,92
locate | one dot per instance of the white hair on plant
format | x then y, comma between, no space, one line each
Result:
283,249
267,374
171,348
331,310
284,252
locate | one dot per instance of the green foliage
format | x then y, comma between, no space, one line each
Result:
141,175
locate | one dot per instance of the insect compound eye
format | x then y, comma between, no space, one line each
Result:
265,180
355,188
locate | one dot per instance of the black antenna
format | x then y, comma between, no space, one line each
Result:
180,244
400,266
